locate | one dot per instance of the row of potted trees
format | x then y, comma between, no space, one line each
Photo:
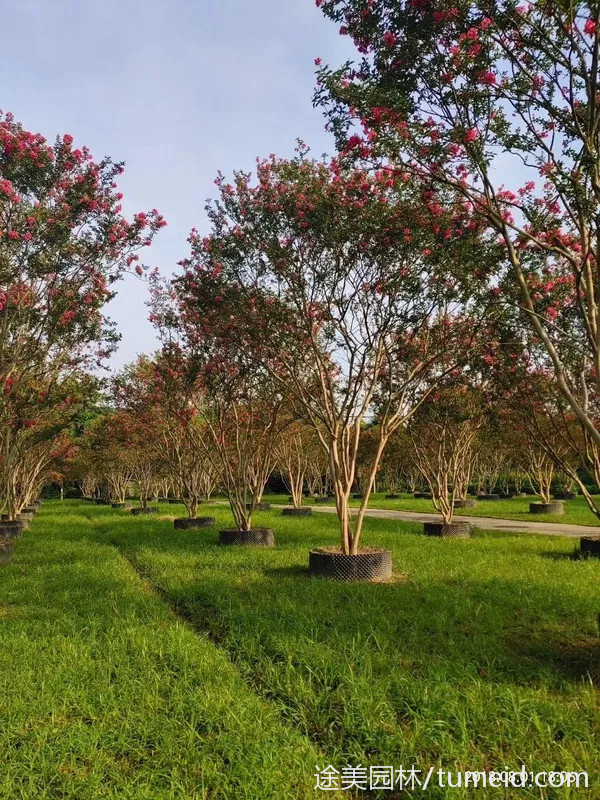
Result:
11,529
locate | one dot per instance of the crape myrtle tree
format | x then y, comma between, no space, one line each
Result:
557,439
208,476
102,450
42,464
317,469
86,473
399,471
63,467
240,406
141,456
490,458
63,242
534,433
498,449
443,433
33,469
458,432
295,452
367,451
243,414
565,482
535,412
188,447
150,465
39,417
541,448
140,423
539,468
329,281
498,100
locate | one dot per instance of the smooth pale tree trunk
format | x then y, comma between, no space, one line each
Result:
294,482
342,458
192,507
296,492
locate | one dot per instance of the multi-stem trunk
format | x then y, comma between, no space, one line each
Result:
541,473
191,503
242,453
443,501
343,453
293,472
295,487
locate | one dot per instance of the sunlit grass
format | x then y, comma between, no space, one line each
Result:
105,693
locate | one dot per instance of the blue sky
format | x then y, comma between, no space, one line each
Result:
177,89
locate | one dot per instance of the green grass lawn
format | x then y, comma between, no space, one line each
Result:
105,693
576,511
483,653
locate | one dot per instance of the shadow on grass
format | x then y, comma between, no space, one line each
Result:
578,659
292,571
454,627
575,555
339,658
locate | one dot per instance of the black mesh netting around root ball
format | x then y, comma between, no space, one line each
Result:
590,546
453,530
257,537
367,566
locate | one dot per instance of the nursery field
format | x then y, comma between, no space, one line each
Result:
142,662
576,511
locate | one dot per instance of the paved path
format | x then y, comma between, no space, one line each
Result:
488,523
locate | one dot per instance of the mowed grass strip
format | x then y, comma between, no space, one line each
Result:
483,653
577,511
104,693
